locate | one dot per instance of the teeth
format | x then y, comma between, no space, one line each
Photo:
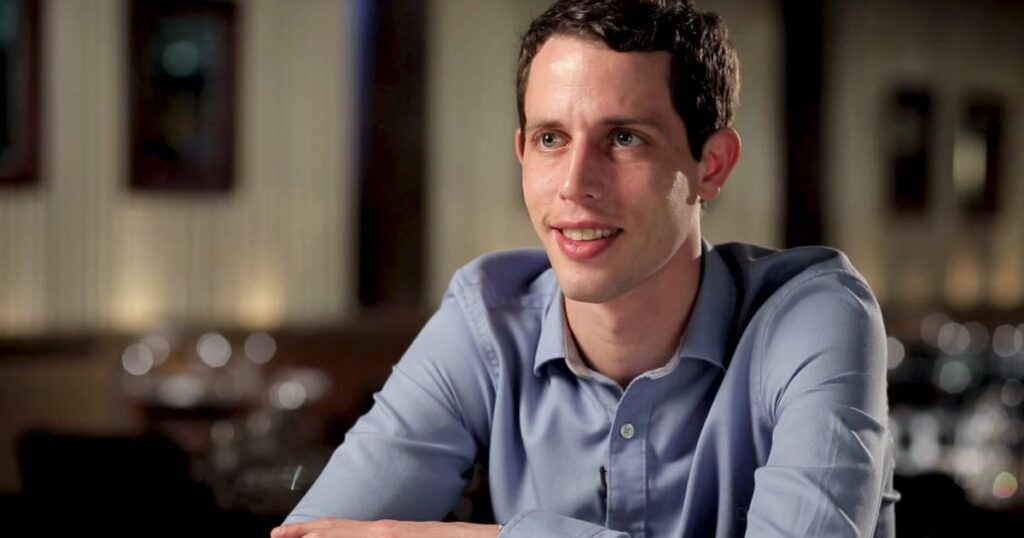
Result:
587,234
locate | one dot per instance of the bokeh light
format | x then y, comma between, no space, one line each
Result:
930,327
1005,485
181,59
260,347
954,338
181,390
979,337
222,432
159,346
287,395
214,349
954,376
1007,341
137,359
895,351
924,451
1012,393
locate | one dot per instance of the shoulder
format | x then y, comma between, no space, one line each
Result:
500,300
819,323
517,277
770,280
459,353
766,266
815,285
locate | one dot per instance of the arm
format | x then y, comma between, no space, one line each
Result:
545,524
823,374
407,457
535,524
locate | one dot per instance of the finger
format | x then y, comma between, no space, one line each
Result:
297,530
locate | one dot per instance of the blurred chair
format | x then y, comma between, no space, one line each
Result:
113,486
934,506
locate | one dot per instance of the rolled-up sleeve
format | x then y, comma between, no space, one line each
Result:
408,457
823,391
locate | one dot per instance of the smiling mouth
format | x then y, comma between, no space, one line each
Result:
588,234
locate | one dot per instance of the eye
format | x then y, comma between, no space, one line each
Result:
550,140
627,139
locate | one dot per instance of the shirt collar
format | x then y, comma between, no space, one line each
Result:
710,327
551,345
707,332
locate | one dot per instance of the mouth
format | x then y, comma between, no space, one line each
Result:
588,234
584,242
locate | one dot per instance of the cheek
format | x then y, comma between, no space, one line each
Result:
680,190
535,193
539,179
684,191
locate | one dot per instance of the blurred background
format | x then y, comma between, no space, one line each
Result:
222,222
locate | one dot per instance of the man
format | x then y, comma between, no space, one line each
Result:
629,380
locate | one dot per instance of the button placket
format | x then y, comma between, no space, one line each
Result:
627,468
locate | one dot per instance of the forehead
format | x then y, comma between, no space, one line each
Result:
573,74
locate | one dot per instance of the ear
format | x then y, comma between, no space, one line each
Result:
519,145
721,151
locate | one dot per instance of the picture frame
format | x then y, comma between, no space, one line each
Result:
978,155
19,92
183,95
908,124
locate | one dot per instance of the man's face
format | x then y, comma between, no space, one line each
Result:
607,174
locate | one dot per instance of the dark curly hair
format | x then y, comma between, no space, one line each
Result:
704,81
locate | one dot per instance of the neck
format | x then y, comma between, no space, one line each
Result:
639,330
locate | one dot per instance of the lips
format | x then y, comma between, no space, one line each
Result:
584,241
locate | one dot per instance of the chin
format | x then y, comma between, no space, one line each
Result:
587,290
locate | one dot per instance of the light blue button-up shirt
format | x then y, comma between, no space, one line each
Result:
770,421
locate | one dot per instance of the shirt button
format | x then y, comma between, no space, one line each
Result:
627,430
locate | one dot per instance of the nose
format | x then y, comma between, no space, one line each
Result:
584,181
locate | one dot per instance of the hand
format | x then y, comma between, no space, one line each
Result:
347,528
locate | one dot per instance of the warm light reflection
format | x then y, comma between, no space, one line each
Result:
261,303
915,284
20,312
963,281
136,310
970,163
1007,265
1007,288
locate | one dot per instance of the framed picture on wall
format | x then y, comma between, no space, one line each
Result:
977,156
182,95
19,92
907,123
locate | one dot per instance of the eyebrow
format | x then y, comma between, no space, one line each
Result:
623,121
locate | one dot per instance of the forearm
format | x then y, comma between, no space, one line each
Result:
347,528
474,530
